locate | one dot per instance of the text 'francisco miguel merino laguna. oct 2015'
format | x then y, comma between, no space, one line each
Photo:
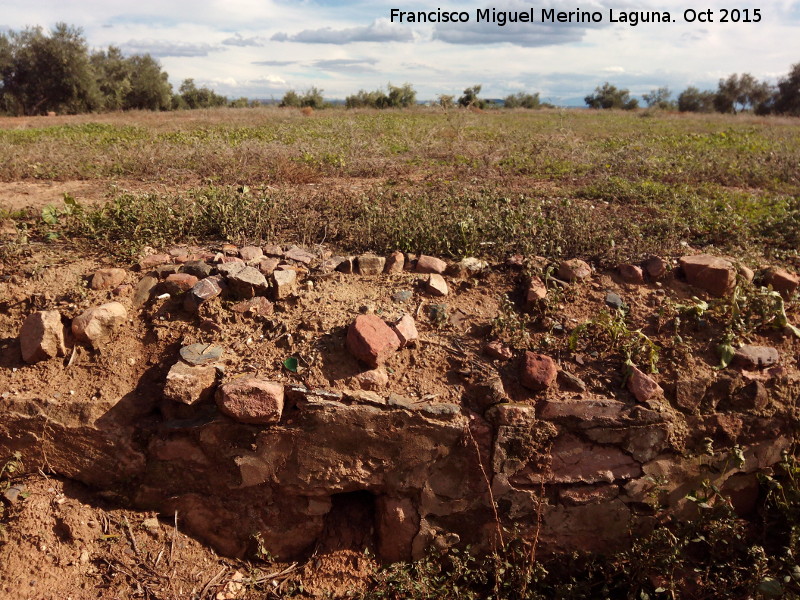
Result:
551,15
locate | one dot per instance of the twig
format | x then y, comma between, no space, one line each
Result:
286,571
130,534
212,581
172,542
471,437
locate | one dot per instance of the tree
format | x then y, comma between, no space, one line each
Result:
190,96
522,100
608,96
740,92
659,98
397,97
150,87
42,73
113,75
291,99
693,100
470,97
787,97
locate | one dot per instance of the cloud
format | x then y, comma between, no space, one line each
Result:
381,30
527,34
161,48
273,63
345,65
238,40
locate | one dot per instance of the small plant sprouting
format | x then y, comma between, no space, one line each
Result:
610,332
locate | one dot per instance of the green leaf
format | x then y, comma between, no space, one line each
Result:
291,364
50,215
726,354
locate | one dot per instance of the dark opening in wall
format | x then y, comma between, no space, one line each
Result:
350,524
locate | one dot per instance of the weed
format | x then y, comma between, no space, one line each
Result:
610,333
511,326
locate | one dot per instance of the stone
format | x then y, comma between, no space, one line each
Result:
535,292
224,259
299,255
105,279
164,270
746,272
251,400
631,273
332,263
177,283
144,290
397,524
347,266
574,270
576,461
268,264
467,267
406,330
258,307
273,250
395,262
200,354
571,382
587,494
251,254
436,285
246,282
42,336
755,358
198,268
203,290
715,275
753,396
402,295
283,284
783,282
148,262
512,415
189,384
230,268
656,267
373,380
498,350
369,264
642,386
124,289
97,324
430,264
538,371
614,301
371,340
230,249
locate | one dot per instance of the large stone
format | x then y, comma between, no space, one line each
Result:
369,264
574,270
436,285
251,254
177,283
97,324
247,282
371,340
105,279
756,357
642,386
538,371
430,264
42,336
299,255
283,283
251,400
144,289
783,282
715,275
395,262
576,461
198,268
190,384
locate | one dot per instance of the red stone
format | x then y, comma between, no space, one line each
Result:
783,282
538,371
105,279
498,350
656,267
574,269
642,386
148,262
430,264
631,273
406,330
395,262
251,400
42,336
371,340
715,275
180,282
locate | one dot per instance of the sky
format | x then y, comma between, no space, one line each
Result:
262,48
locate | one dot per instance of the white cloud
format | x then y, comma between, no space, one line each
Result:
379,31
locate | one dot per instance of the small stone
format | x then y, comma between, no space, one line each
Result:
754,358
198,268
224,259
148,262
284,283
203,290
200,354
246,282
96,325
498,350
258,307
273,250
371,340
642,386
656,267
631,273
251,254
190,384
178,252
402,295
535,292
251,400
369,264
538,371
105,279
373,380
42,336
144,290
715,275
122,290
783,282
230,268
347,266
430,264
13,493
268,264
332,263
406,330
230,249
395,262
746,272
164,270
177,283
467,267
571,382
614,301
573,270
436,285
299,255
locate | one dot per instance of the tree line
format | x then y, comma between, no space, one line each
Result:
42,72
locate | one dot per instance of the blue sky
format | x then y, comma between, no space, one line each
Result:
261,48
